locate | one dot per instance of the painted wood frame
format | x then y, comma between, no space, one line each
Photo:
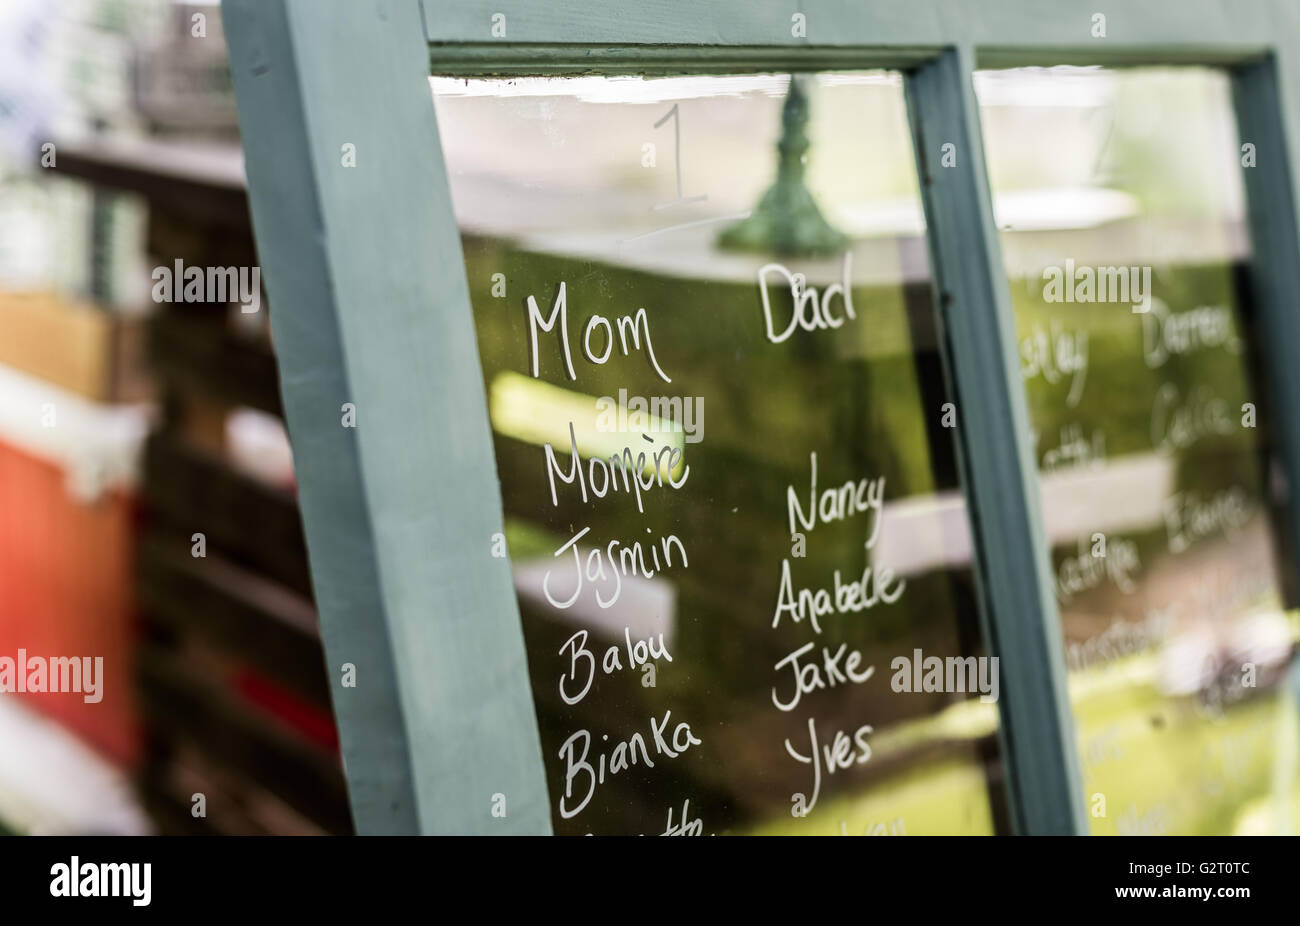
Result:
365,272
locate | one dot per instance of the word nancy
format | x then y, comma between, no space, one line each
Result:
635,413
79,674
838,504
219,285
1098,284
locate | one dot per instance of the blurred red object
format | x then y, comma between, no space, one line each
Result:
66,589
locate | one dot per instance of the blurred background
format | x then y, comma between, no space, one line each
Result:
147,497
135,435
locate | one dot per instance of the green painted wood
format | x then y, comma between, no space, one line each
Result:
402,347
1014,575
313,382
1270,120
1167,30
369,305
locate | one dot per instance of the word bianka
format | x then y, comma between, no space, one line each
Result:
623,756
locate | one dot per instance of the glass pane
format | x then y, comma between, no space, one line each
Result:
1120,202
741,555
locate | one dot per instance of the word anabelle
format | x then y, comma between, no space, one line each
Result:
218,285
634,413
577,747
635,324
953,674
808,677
103,879
1098,284
638,654
838,504
79,674
875,586
603,475
807,310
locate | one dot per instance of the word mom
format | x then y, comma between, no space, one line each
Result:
634,323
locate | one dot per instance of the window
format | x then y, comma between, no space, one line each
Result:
703,311
1122,219
386,299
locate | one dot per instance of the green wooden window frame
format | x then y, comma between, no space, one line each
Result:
371,306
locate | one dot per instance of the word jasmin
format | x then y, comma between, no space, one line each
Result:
954,674
82,675
105,879
628,561
638,654
1098,284
577,747
218,285
807,310
635,413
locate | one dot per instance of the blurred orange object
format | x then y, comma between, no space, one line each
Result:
66,590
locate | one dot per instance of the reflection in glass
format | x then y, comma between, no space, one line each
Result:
1121,210
729,489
